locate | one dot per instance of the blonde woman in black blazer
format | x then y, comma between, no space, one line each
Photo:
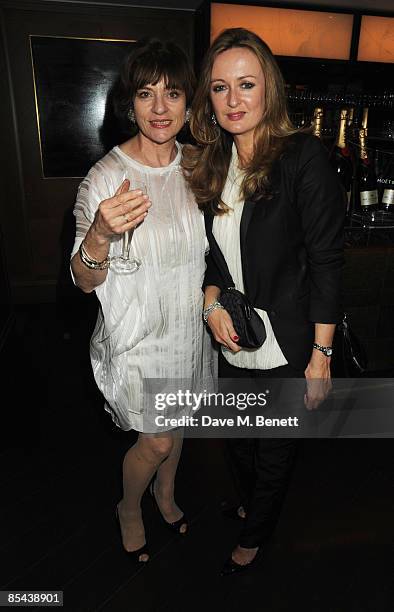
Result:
276,210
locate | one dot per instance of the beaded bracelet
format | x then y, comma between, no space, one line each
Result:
91,263
209,309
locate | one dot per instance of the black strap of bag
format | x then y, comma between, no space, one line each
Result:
217,254
349,357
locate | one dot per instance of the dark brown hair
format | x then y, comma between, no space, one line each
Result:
151,60
206,165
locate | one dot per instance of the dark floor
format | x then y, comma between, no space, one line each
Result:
60,468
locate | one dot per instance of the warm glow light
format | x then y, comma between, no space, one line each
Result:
287,31
376,42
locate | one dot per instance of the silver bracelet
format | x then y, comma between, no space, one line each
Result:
91,263
209,309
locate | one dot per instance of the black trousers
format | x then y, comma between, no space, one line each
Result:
261,467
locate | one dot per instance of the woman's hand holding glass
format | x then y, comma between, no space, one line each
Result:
120,215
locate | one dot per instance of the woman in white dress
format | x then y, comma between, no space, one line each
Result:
149,324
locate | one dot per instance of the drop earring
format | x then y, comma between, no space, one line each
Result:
188,115
213,119
131,115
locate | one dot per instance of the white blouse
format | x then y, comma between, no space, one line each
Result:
226,229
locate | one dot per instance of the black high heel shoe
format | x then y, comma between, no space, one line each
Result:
232,513
175,527
133,555
232,567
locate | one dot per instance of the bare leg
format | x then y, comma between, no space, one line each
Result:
140,463
165,482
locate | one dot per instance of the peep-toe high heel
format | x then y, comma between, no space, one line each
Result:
175,527
133,555
232,567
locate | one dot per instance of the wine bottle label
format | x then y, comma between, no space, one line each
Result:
388,196
385,181
368,198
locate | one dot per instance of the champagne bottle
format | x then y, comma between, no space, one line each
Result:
388,193
364,122
380,167
350,124
317,122
351,141
366,179
340,158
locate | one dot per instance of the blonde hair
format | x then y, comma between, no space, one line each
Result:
206,165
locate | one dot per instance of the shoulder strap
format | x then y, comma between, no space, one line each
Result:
216,253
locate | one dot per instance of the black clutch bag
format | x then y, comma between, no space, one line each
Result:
247,323
349,356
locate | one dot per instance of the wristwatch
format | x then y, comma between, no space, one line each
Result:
326,350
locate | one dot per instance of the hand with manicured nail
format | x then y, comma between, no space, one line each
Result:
223,330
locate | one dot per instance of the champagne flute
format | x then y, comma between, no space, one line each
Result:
123,263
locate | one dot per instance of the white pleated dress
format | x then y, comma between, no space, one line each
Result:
149,325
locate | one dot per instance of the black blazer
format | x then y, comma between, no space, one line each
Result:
292,248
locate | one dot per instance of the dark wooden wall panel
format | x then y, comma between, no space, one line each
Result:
33,209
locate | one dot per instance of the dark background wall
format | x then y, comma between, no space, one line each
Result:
33,209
